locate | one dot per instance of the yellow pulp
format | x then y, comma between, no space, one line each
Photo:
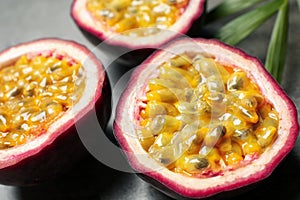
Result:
124,15
33,93
201,117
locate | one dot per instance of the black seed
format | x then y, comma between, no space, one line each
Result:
165,161
30,92
236,84
242,133
202,163
55,66
15,92
223,132
219,130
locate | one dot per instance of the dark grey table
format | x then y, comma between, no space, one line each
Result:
25,20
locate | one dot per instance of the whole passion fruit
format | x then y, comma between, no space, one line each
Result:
47,87
136,24
200,118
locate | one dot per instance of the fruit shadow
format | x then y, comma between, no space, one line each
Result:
282,184
119,75
128,58
124,57
90,179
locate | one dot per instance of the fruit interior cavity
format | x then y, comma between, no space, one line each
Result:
124,15
34,92
201,118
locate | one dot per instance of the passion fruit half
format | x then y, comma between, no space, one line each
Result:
136,24
200,118
47,87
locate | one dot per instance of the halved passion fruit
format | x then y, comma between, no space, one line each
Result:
136,23
199,118
46,87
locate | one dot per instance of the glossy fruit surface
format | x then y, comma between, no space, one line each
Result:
130,116
44,97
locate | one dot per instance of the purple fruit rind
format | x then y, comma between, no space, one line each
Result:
83,19
40,160
191,187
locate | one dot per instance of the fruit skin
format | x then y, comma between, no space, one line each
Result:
178,185
84,20
40,160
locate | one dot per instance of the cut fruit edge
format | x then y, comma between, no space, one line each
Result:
260,168
93,69
84,19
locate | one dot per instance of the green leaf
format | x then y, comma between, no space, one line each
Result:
238,29
228,7
277,47
298,3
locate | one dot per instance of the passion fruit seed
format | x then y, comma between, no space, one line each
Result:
191,164
201,115
124,15
35,91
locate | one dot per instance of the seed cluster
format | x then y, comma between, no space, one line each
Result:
35,91
200,117
124,15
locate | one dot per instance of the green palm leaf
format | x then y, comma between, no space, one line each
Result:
238,29
277,47
229,7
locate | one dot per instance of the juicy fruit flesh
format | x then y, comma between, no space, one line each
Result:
124,15
34,92
201,118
